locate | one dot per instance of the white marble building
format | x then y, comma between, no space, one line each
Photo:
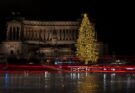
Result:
47,37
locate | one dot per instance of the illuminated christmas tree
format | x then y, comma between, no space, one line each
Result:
86,43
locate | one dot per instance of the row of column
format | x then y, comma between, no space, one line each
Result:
13,33
30,34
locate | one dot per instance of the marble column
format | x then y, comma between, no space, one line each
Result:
36,34
31,34
49,34
65,34
19,32
8,32
46,35
41,35
12,33
24,36
74,34
57,33
62,35
16,33
28,34
34,37
69,34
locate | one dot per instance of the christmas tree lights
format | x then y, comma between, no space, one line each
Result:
86,43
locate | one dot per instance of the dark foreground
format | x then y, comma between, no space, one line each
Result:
66,82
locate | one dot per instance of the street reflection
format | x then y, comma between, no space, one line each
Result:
87,84
46,82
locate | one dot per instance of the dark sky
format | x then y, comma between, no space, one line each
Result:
113,19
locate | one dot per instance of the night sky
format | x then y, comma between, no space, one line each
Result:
113,19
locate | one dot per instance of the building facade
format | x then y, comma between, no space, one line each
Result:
50,38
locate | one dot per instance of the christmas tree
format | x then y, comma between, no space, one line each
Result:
86,42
